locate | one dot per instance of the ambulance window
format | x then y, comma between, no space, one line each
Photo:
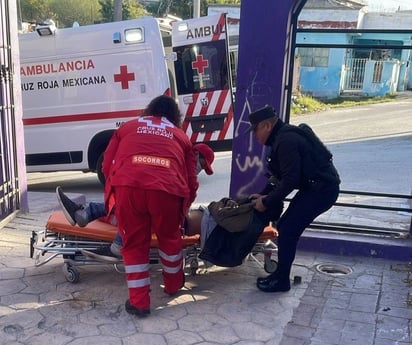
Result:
134,35
233,66
201,67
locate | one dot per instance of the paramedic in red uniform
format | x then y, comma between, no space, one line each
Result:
151,167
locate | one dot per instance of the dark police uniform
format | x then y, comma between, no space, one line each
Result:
291,167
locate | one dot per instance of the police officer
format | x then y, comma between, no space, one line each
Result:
292,166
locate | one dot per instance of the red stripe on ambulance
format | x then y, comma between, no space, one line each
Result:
81,117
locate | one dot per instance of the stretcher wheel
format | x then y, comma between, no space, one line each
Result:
71,274
193,266
270,265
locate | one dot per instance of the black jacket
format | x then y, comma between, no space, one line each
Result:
229,249
292,167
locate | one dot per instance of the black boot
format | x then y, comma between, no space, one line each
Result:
265,280
274,284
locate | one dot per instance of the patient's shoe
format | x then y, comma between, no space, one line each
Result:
103,254
115,248
136,311
68,206
81,217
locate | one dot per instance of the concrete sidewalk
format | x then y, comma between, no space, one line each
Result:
370,305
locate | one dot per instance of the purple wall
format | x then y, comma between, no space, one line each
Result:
266,39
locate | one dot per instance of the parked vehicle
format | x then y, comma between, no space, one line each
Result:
79,84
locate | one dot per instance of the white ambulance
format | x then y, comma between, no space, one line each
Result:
79,84
204,79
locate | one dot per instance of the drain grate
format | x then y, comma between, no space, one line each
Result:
335,270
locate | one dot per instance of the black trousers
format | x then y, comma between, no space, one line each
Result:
305,206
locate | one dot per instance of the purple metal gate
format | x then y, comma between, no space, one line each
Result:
9,183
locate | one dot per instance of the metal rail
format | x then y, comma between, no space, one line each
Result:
378,231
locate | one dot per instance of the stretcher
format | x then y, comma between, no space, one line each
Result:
60,239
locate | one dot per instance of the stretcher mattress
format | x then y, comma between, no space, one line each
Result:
98,230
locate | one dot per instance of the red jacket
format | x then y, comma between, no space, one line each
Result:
151,153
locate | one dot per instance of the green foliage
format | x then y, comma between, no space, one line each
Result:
224,2
353,101
130,10
65,12
179,8
34,11
303,104
70,11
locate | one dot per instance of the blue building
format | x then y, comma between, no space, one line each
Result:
327,72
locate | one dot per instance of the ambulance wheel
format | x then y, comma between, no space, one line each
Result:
71,274
270,265
99,171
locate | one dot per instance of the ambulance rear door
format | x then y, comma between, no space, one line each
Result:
203,80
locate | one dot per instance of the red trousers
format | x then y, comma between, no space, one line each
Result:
139,213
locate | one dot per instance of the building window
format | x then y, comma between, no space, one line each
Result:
377,72
314,57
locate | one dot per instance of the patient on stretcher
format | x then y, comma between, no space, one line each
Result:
218,245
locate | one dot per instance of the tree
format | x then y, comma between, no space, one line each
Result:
130,9
34,11
179,8
64,13
70,11
117,10
182,8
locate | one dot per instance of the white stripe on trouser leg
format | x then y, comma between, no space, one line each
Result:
137,283
171,270
173,259
136,268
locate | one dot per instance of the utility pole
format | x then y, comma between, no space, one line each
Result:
117,11
196,8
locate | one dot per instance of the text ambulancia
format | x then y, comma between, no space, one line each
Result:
80,84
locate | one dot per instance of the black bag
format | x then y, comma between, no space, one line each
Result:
318,164
234,216
321,154
229,249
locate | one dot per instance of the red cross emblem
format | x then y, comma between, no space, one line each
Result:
200,64
155,121
124,77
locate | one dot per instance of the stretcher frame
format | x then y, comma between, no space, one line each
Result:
60,239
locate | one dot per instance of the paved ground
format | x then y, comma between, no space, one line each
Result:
371,305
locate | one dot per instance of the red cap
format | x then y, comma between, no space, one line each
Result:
207,153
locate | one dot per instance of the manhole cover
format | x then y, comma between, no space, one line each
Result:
334,269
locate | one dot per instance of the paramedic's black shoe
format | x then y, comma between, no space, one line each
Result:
69,207
136,311
274,285
103,254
